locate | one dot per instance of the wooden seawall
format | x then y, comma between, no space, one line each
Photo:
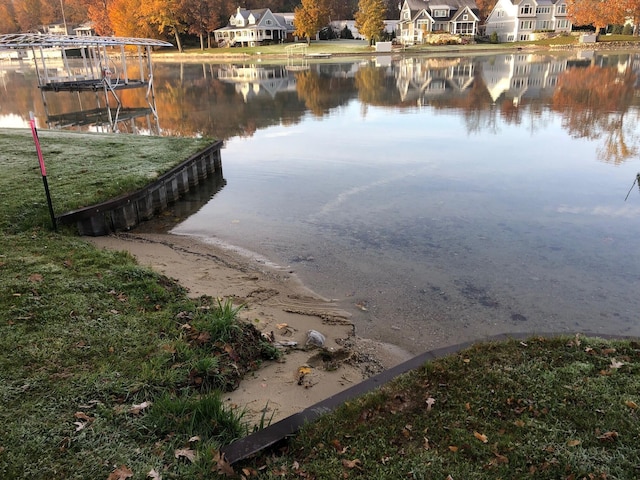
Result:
127,211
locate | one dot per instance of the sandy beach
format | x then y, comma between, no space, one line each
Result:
279,305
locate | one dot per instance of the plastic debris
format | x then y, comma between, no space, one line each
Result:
315,338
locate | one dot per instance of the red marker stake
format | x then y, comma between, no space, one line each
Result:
43,169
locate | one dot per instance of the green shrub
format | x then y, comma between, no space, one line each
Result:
493,38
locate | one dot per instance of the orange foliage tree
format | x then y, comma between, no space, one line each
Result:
126,21
593,102
8,23
310,17
98,13
168,17
598,13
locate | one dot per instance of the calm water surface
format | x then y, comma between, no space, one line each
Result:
437,200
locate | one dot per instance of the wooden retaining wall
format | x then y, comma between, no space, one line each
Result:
127,211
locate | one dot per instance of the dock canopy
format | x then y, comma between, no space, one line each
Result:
83,63
37,40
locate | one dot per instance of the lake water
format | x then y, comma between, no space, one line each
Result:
438,200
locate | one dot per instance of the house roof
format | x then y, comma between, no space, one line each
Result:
454,5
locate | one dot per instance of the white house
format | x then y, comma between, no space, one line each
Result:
518,20
420,18
253,27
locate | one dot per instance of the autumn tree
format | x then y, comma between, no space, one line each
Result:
126,19
168,17
370,19
8,23
310,17
203,17
598,13
98,14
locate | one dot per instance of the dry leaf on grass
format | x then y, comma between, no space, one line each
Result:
185,453
154,475
121,473
136,409
616,364
481,436
430,402
223,467
352,463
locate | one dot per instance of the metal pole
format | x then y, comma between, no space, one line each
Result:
43,169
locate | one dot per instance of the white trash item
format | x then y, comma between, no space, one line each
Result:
315,338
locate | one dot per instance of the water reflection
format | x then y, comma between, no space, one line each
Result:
595,94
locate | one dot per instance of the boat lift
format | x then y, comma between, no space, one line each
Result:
70,63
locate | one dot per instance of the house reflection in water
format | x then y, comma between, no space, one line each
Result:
420,79
256,80
518,76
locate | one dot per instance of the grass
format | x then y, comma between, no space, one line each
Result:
106,367
545,408
82,169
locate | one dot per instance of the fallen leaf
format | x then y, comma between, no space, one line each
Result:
195,438
453,448
35,278
136,409
80,425
185,453
573,443
500,458
352,463
519,423
480,436
608,436
121,473
83,416
154,475
615,363
426,444
631,404
280,326
430,401
222,465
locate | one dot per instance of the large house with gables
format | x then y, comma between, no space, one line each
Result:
520,20
421,18
255,27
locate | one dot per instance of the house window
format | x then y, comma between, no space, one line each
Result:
563,23
465,17
440,13
526,9
526,25
407,15
543,25
464,28
561,9
543,10
523,38
268,22
500,13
